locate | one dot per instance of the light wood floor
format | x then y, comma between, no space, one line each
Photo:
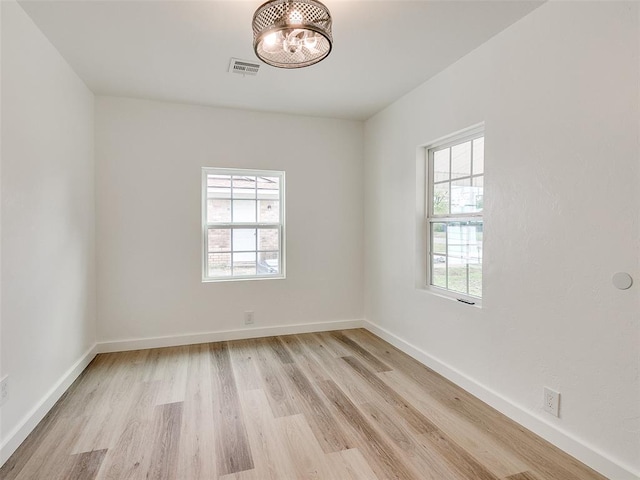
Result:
340,405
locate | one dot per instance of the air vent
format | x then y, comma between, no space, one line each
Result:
243,67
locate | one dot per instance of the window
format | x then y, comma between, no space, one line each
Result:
243,224
455,197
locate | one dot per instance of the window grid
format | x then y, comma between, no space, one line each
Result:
256,248
242,257
450,258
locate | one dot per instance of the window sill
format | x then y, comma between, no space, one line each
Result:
243,279
459,299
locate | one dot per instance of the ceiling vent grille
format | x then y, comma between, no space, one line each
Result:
243,67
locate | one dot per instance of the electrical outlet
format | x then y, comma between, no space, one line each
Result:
4,390
248,318
551,402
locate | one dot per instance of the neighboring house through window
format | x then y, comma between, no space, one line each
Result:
243,224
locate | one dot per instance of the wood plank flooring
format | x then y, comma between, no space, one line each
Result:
338,405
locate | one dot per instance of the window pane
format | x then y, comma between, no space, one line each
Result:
244,194
219,264
218,210
475,280
457,247
479,237
244,188
218,198
269,188
219,181
439,271
244,263
457,276
462,197
219,240
465,241
465,257
242,181
441,199
269,211
477,187
439,238
268,239
461,160
244,211
218,192
441,165
474,252
244,239
268,263
478,155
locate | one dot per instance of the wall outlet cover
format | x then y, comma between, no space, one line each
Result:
551,402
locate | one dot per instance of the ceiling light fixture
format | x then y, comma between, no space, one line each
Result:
292,33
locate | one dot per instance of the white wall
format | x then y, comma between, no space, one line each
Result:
559,95
149,157
48,286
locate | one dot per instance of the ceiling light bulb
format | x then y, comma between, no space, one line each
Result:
293,41
272,42
295,17
311,40
271,39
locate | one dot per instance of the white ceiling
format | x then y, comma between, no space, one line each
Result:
180,50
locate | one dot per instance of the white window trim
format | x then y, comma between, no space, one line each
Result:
429,218
205,224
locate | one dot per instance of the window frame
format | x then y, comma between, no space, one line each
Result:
464,136
206,225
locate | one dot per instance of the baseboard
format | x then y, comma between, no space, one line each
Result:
26,426
567,442
177,340
575,447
